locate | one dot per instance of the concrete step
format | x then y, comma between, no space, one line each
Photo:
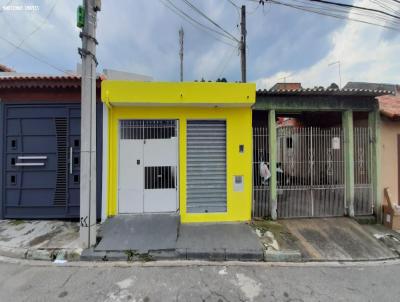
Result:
370,219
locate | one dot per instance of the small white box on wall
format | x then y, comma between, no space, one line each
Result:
238,183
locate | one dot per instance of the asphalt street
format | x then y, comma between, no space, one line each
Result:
253,282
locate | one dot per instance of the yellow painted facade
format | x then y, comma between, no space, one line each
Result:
239,132
122,93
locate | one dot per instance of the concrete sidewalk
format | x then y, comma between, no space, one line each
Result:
337,239
218,241
164,238
140,233
39,240
161,236
278,243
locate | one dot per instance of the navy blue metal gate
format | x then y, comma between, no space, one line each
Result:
41,162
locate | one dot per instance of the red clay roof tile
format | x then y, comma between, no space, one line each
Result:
389,106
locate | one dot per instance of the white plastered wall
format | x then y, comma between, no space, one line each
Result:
104,192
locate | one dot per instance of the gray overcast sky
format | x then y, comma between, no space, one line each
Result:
141,36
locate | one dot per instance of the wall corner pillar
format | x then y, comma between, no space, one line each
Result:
375,139
347,121
272,164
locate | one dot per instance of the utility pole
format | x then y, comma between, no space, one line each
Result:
181,33
242,47
88,124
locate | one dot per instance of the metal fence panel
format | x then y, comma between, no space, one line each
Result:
260,185
310,172
363,197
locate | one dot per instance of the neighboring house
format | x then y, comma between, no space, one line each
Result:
389,107
286,86
392,88
178,148
40,146
4,68
322,163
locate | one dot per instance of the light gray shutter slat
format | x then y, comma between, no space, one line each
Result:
206,166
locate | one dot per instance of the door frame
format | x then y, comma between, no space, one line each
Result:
177,181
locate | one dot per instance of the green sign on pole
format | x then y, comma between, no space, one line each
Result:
80,16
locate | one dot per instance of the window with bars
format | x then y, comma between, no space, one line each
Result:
159,177
147,129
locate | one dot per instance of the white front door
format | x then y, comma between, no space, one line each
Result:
130,191
148,161
160,161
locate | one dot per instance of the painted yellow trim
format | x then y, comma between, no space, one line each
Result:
107,100
238,132
183,94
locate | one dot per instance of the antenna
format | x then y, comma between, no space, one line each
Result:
340,75
181,33
284,79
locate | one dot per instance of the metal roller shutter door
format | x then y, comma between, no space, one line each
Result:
206,166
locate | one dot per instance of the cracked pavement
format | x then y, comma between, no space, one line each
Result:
220,283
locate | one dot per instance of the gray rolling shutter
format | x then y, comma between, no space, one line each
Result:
206,166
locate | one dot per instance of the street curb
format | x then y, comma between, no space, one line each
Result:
216,255
12,252
221,255
179,254
283,256
92,255
199,263
40,254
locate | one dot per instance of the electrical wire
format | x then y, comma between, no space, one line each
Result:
345,12
196,23
209,19
35,57
353,12
35,30
338,13
234,4
226,63
298,7
384,6
356,7
199,23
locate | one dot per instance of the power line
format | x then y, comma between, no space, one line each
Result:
35,57
357,7
196,23
35,30
328,12
225,64
345,11
209,19
199,23
234,4
308,9
385,6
